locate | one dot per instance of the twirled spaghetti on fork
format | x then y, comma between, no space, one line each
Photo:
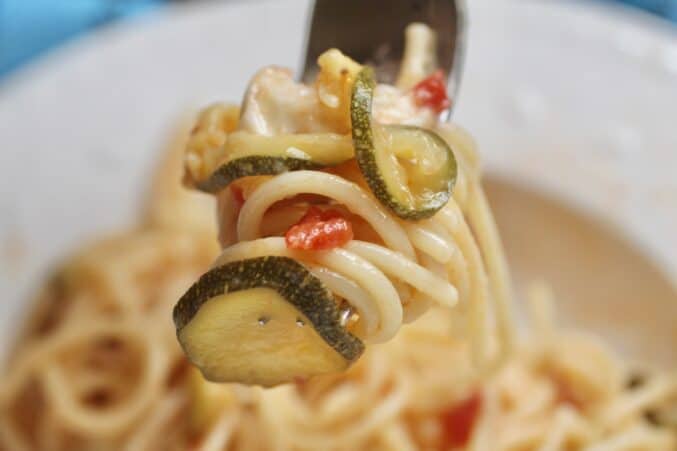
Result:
346,209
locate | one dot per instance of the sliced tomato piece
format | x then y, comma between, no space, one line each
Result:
319,230
432,92
458,421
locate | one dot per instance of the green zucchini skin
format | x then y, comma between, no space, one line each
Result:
364,143
291,280
252,165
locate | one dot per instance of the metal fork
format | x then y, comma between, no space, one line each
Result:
372,32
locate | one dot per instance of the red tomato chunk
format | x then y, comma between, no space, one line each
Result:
459,420
432,92
319,230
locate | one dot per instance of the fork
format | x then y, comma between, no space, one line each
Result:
372,32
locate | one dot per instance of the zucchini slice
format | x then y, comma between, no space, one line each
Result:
263,321
251,154
253,165
409,169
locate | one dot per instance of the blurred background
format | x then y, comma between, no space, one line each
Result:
29,28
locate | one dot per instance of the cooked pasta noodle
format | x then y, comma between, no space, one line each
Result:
98,365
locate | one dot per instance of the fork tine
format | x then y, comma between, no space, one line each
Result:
372,31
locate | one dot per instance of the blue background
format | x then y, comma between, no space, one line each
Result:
31,27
